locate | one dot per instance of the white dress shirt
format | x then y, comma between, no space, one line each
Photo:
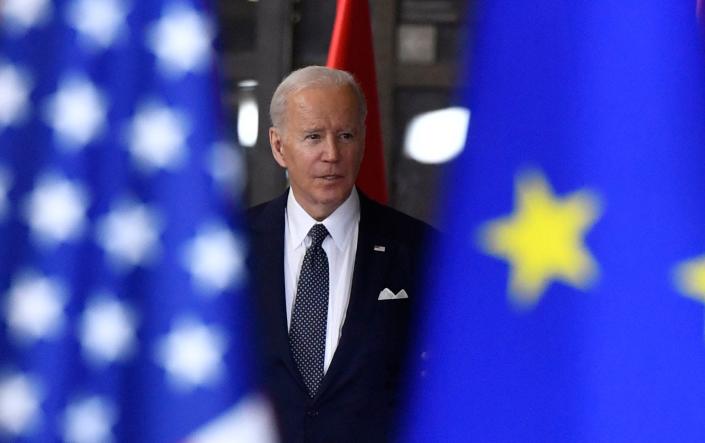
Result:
340,247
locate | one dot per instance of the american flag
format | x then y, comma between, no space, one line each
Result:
122,275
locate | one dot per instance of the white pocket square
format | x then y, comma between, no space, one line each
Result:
387,294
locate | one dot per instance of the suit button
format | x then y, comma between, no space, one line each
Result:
312,413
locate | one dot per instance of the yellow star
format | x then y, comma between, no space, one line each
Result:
690,278
543,240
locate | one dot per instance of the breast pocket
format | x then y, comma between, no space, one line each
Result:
392,325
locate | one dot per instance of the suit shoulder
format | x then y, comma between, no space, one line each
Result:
401,219
398,224
261,216
254,211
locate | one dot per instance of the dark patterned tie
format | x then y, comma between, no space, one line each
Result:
307,333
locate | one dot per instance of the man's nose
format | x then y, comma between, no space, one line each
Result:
331,149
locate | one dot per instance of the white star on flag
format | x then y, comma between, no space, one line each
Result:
157,136
192,354
76,112
98,21
129,233
34,308
19,404
14,93
21,15
181,41
5,180
55,210
107,330
215,258
89,420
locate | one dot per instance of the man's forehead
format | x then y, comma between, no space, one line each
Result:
332,91
320,104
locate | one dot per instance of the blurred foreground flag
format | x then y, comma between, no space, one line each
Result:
566,302
122,308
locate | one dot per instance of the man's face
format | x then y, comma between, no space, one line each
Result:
321,145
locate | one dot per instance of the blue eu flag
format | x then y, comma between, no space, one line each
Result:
122,281
565,302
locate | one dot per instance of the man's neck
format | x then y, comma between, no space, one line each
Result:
322,212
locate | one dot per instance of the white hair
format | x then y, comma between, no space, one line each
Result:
312,76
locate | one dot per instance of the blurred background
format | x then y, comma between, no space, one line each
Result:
418,45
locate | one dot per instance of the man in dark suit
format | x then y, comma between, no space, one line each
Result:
335,273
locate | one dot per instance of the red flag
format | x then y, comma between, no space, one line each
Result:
351,50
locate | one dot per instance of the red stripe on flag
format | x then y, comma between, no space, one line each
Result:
351,49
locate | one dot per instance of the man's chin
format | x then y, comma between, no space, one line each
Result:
333,197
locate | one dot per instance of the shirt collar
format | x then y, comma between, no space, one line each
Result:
339,224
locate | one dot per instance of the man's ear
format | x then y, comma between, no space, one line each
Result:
275,141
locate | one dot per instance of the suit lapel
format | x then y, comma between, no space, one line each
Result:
269,242
368,278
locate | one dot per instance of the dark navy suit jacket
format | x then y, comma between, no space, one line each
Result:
358,397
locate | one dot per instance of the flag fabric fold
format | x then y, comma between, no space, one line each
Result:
565,302
123,315
351,49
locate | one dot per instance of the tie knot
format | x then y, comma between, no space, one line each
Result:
318,233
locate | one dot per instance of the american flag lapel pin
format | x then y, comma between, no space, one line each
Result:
379,248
